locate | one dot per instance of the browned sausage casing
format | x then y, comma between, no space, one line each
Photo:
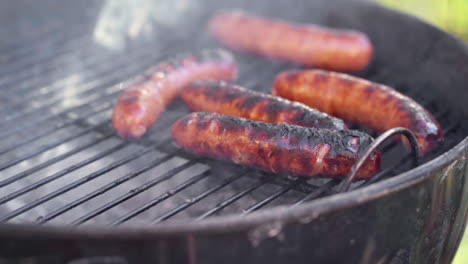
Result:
229,99
357,100
278,148
340,50
139,106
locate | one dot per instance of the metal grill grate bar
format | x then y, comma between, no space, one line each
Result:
91,62
33,92
282,181
47,107
59,174
103,189
318,192
70,169
11,76
196,199
162,197
24,46
44,148
53,129
116,77
72,185
52,161
97,86
39,121
234,198
269,199
134,192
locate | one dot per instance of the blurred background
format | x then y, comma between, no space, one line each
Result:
448,14
452,15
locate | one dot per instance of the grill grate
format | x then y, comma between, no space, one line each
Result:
61,162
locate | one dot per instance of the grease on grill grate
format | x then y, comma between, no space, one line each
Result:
61,162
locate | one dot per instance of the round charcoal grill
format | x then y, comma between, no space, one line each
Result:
71,191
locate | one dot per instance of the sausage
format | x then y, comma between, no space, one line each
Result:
139,106
360,101
277,148
311,45
229,99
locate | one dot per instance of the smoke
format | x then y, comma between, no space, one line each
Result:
123,20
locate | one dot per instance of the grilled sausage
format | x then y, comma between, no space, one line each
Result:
221,97
311,45
278,148
357,100
139,106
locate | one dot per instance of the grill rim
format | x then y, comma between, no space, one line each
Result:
231,223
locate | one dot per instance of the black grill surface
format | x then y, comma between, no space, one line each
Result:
60,159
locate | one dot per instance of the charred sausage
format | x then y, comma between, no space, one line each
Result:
278,148
311,45
229,99
357,100
139,106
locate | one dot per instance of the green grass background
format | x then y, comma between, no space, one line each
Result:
451,15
